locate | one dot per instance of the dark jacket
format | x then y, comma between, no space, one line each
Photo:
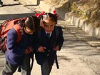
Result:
49,43
15,51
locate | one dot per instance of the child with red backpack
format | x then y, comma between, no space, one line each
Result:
50,40
18,52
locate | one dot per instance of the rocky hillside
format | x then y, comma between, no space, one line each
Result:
88,10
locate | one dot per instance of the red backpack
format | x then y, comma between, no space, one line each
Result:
5,27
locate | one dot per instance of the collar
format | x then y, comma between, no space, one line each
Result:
50,33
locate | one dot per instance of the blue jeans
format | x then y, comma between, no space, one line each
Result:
46,68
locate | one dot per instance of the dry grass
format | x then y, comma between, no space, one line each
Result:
87,10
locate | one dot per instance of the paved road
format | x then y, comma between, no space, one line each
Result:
80,54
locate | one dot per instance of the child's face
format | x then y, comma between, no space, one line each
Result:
28,30
48,25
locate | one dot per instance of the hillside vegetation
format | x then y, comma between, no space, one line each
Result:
88,10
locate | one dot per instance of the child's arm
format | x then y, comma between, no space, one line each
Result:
11,42
60,40
56,48
11,39
36,43
41,49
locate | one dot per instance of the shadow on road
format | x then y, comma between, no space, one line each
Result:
11,4
10,16
78,42
63,58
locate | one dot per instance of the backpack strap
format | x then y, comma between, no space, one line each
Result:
57,34
17,29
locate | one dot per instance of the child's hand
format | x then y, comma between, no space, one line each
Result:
41,49
56,48
28,50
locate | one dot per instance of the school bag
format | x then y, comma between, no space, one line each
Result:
5,27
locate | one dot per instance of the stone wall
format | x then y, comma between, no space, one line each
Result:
56,2
29,2
89,10
61,6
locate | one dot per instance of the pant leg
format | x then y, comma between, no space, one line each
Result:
46,68
25,67
9,69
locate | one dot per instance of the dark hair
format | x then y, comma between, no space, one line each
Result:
33,23
49,16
